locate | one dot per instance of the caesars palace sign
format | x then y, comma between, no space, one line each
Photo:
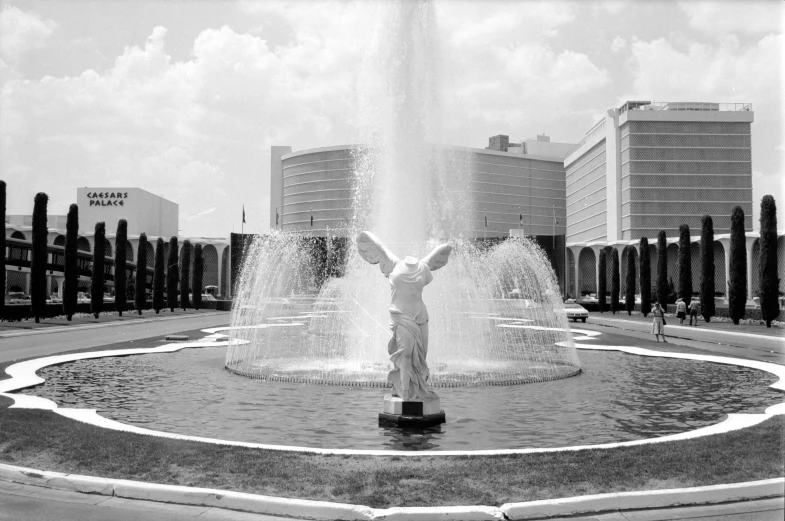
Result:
107,198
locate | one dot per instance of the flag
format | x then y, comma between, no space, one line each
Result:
520,219
243,214
486,220
311,217
276,216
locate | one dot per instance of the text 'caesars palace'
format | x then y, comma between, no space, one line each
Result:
644,167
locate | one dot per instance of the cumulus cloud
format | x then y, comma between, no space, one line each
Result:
618,44
20,32
750,16
724,72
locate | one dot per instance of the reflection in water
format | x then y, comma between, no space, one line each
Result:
618,397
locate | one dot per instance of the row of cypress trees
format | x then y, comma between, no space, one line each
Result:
737,278
39,256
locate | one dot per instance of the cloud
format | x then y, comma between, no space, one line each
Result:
477,25
750,16
722,72
21,32
618,44
196,131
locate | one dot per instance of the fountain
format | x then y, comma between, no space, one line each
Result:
295,321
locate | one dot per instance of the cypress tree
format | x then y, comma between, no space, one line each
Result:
172,275
685,267
645,268
198,274
97,280
159,279
737,287
71,267
602,282
140,298
2,250
769,282
120,256
185,275
629,297
662,270
38,257
707,268
615,281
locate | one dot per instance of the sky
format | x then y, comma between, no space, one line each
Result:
185,98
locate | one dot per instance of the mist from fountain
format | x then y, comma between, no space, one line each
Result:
412,192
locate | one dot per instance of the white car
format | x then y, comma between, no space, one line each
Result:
576,311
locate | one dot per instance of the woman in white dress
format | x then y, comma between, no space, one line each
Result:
658,325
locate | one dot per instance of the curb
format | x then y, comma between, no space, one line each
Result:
324,510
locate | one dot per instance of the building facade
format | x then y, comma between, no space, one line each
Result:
144,211
651,166
510,188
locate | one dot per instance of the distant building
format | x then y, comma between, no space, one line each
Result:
515,185
650,166
144,211
52,221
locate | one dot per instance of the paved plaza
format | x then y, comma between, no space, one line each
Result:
27,502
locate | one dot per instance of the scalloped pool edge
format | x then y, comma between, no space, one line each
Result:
23,375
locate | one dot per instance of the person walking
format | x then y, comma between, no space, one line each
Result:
658,325
695,309
681,311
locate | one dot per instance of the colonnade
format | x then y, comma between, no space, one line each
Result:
583,263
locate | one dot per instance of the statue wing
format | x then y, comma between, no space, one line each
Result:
438,257
371,249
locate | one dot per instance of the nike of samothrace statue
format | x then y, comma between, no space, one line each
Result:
408,346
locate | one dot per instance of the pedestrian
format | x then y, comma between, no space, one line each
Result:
681,311
658,325
695,309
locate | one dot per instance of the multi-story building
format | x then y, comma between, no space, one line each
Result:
648,166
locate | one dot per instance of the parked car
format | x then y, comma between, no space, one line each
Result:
576,311
16,297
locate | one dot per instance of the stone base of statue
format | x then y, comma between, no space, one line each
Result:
410,413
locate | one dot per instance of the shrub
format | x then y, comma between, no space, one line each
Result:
662,270
707,268
140,297
185,278
97,279
685,267
71,266
172,275
629,297
159,278
769,282
645,268
602,282
198,274
38,256
615,281
120,255
737,280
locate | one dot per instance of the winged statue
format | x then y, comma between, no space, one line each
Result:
408,346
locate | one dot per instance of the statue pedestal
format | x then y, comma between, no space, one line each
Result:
410,413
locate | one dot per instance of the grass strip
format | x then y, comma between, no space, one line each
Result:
45,440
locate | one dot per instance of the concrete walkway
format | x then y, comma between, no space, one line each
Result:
44,342
766,348
27,502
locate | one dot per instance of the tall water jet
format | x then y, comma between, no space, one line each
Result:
299,320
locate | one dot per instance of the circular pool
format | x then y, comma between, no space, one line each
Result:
618,397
